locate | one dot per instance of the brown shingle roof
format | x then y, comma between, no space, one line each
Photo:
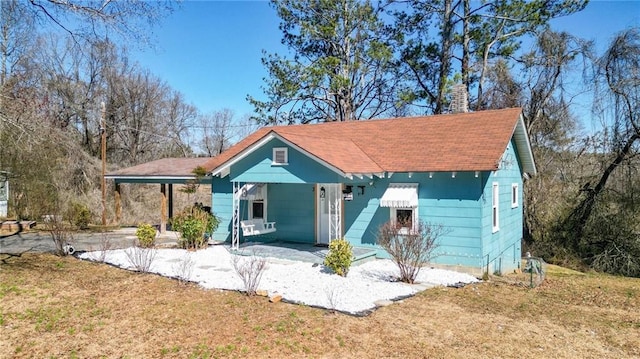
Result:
165,167
473,141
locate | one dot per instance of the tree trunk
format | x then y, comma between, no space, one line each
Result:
466,52
582,212
445,55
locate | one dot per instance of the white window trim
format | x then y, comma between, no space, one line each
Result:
286,156
495,207
515,194
414,218
264,204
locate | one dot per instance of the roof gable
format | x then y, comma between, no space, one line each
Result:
473,141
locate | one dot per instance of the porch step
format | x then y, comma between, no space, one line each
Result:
362,255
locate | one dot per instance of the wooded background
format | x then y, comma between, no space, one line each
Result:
347,60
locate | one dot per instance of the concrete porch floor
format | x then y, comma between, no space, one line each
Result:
298,251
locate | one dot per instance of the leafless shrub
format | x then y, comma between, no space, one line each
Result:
250,270
141,258
60,234
100,254
184,268
333,295
410,247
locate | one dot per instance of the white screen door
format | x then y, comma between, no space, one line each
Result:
329,199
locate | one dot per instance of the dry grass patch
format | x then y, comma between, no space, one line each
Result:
63,307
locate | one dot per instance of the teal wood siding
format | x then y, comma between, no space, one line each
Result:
258,167
291,206
452,202
502,249
291,200
461,204
221,206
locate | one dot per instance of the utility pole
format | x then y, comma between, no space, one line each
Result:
103,131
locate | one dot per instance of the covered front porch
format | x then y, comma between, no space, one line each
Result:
310,214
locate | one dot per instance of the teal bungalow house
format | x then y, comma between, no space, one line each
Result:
316,182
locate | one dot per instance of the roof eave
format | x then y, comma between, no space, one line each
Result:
523,144
123,178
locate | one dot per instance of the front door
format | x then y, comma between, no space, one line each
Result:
328,222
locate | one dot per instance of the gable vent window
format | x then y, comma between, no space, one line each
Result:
280,156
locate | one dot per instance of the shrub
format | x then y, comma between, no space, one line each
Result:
60,234
410,250
146,234
193,223
79,215
340,256
140,258
250,270
184,268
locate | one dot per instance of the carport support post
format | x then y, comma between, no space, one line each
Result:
118,204
170,201
163,208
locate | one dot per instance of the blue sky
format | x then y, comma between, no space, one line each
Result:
211,50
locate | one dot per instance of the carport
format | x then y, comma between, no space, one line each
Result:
166,172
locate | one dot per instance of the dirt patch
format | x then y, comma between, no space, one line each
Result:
63,307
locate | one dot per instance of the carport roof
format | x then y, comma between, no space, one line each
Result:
158,171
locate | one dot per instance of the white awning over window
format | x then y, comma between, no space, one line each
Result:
251,192
400,195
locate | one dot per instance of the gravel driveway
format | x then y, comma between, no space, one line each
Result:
40,242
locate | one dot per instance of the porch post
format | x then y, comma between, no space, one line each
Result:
163,208
118,204
235,220
170,201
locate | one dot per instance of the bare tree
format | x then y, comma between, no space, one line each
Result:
16,36
217,131
91,20
619,68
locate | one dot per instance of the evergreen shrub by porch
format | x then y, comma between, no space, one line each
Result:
340,256
193,223
146,234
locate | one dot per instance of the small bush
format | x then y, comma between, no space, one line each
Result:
140,258
250,270
105,245
184,268
60,234
340,256
79,215
193,223
410,250
146,234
